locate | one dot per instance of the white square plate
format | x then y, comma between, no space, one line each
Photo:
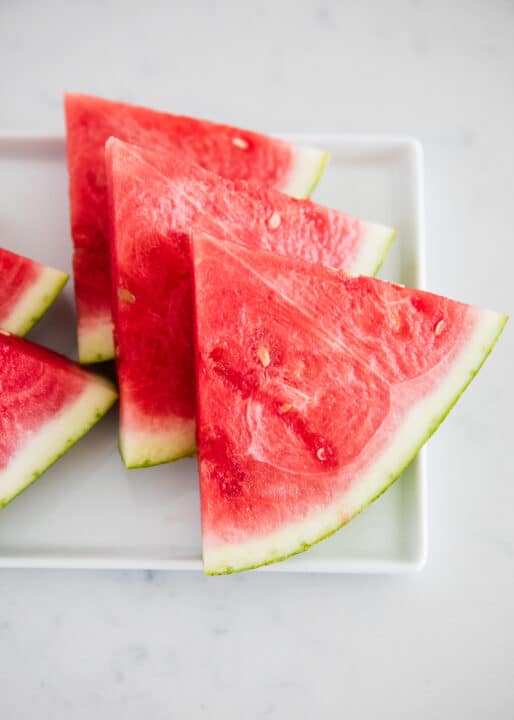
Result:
87,510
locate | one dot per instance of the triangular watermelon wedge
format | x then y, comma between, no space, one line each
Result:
315,390
27,289
152,215
46,404
229,151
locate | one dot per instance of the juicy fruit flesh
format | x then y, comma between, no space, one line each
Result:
301,392
170,195
150,337
90,122
17,274
309,412
46,404
35,385
29,395
27,289
152,301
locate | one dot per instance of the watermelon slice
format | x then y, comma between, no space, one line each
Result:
46,404
315,390
152,303
27,289
225,150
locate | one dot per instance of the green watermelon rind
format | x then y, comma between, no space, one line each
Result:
100,409
141,465
307,170
226,569
141,454
385,251
37,299
101,337
320,171
376,241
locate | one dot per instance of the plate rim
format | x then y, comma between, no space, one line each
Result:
304,563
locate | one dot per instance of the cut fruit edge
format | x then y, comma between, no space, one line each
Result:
57,436
96,341
418,425
140,448
35,301
308,167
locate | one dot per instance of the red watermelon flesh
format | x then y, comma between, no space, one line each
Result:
27,289
315,390
229,151
152,215
46,404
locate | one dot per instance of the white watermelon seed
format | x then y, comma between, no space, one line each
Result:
286,407
322,455
239,143
395,321
126,295
274,220
439,327
263,355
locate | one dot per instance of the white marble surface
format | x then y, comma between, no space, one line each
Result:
435,645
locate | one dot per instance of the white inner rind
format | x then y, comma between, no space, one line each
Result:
374,245
96,341
307,169
416,427
49,442
141,448
34,301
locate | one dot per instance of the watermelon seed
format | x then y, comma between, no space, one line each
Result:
263,355
126,295
395,321
298,370
274,220
286,407
322,455
240,143
439,327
